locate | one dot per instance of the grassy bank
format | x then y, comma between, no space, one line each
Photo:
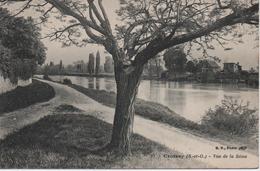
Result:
25,96
66,141
163,114
147,109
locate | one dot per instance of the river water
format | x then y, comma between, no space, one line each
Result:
191,100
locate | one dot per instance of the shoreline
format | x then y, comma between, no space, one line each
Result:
152,130
162,114
154,79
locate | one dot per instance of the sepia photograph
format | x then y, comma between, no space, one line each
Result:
129,84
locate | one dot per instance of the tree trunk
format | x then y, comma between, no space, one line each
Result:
127,87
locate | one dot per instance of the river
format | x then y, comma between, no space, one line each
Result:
191,100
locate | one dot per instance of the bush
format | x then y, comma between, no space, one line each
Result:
46,77
67,81
232,117
22,97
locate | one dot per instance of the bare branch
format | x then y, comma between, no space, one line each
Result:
57,34
68,11
27,5
95,10
158,45
221,6
105,16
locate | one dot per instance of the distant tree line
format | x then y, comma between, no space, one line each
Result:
176,61
154,68
92,67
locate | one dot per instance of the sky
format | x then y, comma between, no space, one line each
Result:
247,54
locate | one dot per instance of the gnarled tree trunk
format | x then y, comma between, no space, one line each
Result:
127,87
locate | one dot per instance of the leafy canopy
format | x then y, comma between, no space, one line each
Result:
175,59
21,49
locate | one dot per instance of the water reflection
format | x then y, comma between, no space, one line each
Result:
97,84
91,82
188,99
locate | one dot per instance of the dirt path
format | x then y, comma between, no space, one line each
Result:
201,149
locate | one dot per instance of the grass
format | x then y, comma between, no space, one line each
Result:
147,109
163,114
22,97
66,141
67,108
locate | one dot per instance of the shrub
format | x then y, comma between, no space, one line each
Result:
67,108
232,116
67,81
22,97
46,77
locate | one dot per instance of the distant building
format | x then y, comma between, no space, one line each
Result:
232,68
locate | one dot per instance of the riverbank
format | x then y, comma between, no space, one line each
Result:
145,77
162,114
102,75
66,139
171,137
22,97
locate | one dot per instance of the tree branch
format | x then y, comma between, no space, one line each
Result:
158,45
95,10
221,6
57,34
27,5
105,16
67,11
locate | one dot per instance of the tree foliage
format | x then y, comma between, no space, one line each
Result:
108,65
175,59
191,67
232,116
97,68
61,65
154,67
21,49
91,62
5,64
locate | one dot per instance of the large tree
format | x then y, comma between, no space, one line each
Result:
148,28
97,68
21,48
154,67
175,59
91,64
191,66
